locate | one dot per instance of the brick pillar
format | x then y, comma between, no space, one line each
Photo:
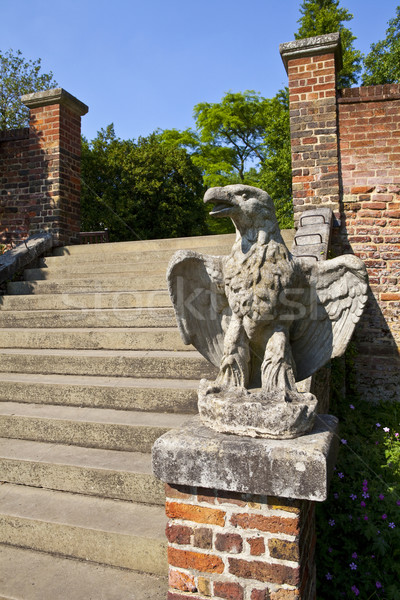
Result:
241,511
54,169
312,65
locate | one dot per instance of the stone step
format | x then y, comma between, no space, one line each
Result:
131,431
118,282
117,393
140,246
48,577
111,532
135,338
89,269
99,318
91,471
131,257
108,363
84,301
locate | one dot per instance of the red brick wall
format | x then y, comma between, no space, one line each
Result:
40,175
346,155
14,185
239,546
369,141
313,124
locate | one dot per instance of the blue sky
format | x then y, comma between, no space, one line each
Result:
143,65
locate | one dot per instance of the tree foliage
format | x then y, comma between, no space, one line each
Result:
244,138
326,16
19,76
140,189
382,64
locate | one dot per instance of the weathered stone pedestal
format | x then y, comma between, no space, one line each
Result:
241,511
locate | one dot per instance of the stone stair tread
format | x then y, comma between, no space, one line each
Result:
101,353
93,380
48,577
86,300
107,416
61,454
93,318
113,338
90,512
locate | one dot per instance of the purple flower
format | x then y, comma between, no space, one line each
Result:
340,475
354,555
378,584
362,503
392,525
365,518
386,429
353,566
381,496
396,435
336,495
384,516
353,496
351,406
344,441
329,576
365,495
355,590
365,482
398,502
331,522
378,424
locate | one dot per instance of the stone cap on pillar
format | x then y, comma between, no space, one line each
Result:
55,96
313,46
300,468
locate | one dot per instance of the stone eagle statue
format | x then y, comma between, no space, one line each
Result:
265,318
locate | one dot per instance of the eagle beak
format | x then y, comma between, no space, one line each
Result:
222,202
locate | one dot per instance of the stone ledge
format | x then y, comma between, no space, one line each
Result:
313,46
55,96
298,468
19,257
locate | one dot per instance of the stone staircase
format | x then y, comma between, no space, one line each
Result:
92,371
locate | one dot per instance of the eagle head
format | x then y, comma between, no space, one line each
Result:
247,206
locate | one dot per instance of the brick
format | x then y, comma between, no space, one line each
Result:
286,595
183,596
391,296
263,571
257,546
198,514
178,534
181,581
203,537
272,524
228,591
292,506
283,549
260,595
229,542
204,586
198,561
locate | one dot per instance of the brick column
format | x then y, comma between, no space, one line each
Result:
54,169
241,511
312,65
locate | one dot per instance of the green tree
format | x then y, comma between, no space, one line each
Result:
140,189
382,64
242,139
326,16
19,76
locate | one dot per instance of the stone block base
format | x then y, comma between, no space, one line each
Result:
239,546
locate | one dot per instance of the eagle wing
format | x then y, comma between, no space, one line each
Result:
334,301
196,286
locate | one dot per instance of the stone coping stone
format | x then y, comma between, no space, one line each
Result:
298,468
21,256
313,46
55,96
